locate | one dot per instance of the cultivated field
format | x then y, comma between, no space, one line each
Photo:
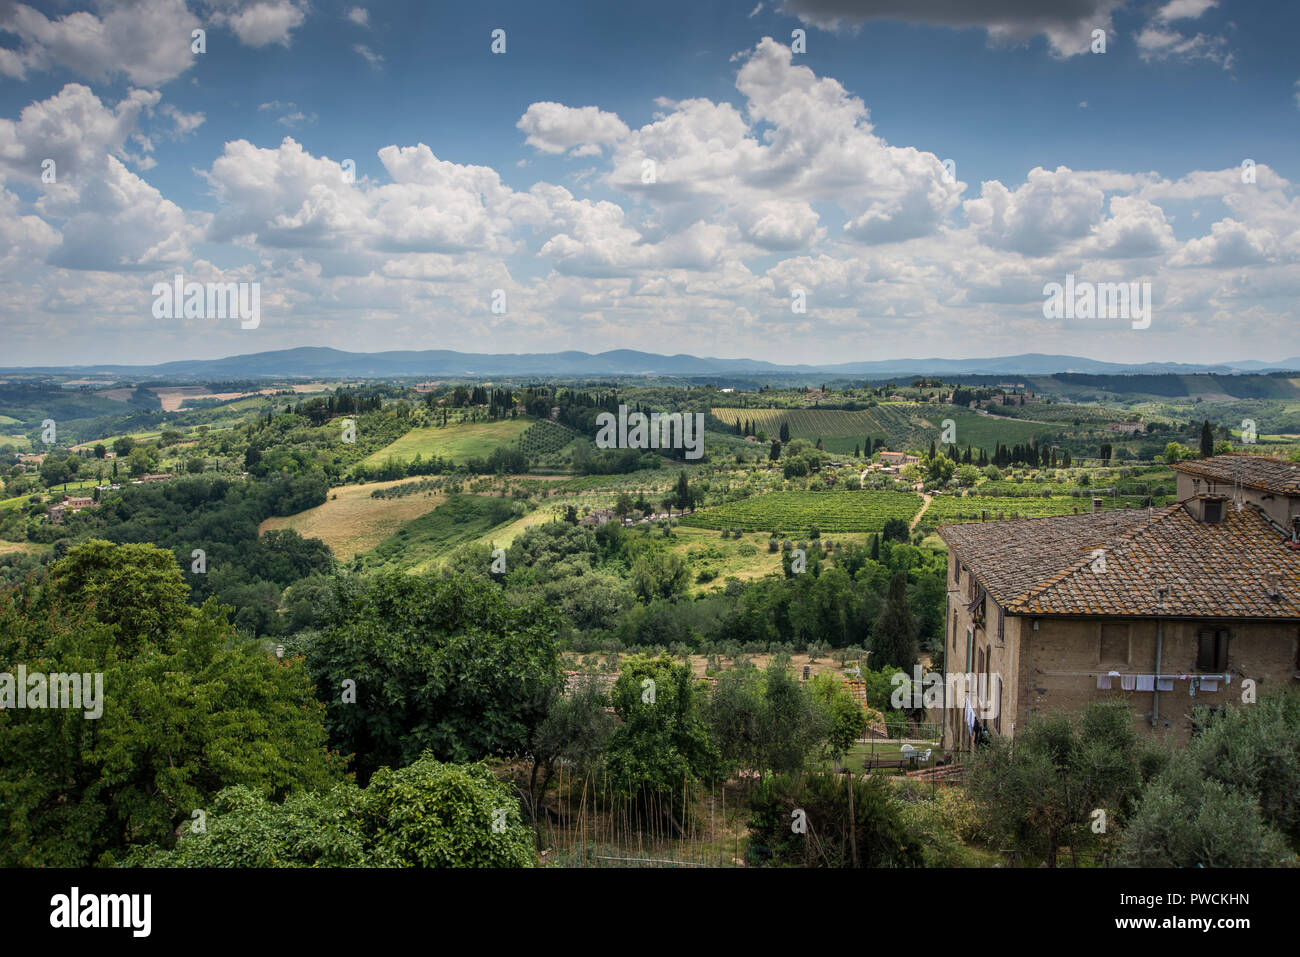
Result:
352,521
805,423
902,425
797,512
945,509
455,442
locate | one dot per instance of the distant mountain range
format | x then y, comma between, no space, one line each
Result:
318,362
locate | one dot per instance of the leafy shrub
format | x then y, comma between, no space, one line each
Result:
882,839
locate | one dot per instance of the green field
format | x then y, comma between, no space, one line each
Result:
455,442
17,441
418,544
944,509
797,512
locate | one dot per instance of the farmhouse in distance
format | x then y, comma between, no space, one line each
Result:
1166,608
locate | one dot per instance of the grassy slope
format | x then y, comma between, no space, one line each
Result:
420,544
352,521
455,442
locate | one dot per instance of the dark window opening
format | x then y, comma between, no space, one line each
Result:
1212,649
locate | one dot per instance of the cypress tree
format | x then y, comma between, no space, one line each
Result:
893,641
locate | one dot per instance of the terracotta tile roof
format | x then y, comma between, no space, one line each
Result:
1255,471
1211,570
1009,558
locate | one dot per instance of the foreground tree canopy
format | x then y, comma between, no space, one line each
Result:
189,708
422,663
428,814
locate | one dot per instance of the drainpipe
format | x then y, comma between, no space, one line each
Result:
1161,591
1155,695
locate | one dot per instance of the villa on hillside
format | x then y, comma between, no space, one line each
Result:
1165,609
598,516
899,458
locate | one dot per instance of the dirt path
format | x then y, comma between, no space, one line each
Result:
925,503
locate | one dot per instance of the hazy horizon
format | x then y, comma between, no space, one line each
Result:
787,182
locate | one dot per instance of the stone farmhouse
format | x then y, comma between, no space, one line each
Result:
1166,609
899,459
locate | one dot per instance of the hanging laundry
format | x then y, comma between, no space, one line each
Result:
970,717
1209,684
1103,682
1165,683
1128,682
1146,682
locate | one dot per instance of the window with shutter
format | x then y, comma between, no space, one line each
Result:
1212,649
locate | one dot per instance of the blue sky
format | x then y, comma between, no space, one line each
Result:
777,170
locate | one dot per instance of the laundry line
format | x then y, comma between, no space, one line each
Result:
1131,681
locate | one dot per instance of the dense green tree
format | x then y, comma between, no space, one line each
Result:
685,495
425,815
576,730
873,835
939,468
1041,793
445,815
662,746
1229,796
895,530
187,709
893,640
660,574
847,721
416,662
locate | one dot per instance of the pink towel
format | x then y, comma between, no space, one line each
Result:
1103,682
